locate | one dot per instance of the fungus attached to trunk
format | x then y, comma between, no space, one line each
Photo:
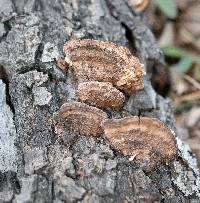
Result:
104,61
82,118
146,140
100,94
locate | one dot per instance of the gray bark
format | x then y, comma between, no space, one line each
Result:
38,166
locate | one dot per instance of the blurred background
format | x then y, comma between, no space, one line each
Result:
176,25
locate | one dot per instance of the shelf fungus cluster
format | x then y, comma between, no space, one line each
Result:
105,74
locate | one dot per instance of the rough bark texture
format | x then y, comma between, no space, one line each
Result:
38,166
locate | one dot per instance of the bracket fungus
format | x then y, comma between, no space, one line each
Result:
82,118
145,140
100,94
104,61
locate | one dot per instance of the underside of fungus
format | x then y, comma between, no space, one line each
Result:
146,140
82,119
104,61
100,94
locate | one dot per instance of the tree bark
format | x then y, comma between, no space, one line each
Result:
38,166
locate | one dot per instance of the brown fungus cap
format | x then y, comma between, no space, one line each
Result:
104,61
100,94
146,140
82,118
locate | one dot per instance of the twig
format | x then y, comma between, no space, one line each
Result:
192,81
188,97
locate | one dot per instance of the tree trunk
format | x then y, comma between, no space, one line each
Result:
38,166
